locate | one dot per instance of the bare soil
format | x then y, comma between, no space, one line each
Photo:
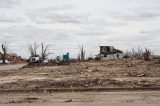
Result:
11,66
147,98
109,74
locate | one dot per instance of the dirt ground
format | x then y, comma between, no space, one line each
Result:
109,74
29,86
11,67
148,98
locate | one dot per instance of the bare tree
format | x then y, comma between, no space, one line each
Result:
127,54
44,53
79,57
133,53
139,53
33,49
4,54
147,54
82,53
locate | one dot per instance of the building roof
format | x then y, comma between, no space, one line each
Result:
106,46
111,52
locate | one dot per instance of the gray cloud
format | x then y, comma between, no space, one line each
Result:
148,36
92,31
8,3
151,32
57,15
9,14
30,33
136,13
19,37
65,27
10,19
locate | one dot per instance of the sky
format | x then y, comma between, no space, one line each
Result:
67,24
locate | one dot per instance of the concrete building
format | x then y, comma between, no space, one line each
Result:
109,52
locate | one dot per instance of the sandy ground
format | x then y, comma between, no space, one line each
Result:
149,98
11,67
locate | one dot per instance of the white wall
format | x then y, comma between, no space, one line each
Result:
112,56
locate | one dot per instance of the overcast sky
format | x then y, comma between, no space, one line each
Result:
66,24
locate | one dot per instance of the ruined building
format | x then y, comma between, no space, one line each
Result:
109,52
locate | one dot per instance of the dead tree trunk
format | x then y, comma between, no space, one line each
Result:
4,54
44,53
82,53
33,50
147,54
